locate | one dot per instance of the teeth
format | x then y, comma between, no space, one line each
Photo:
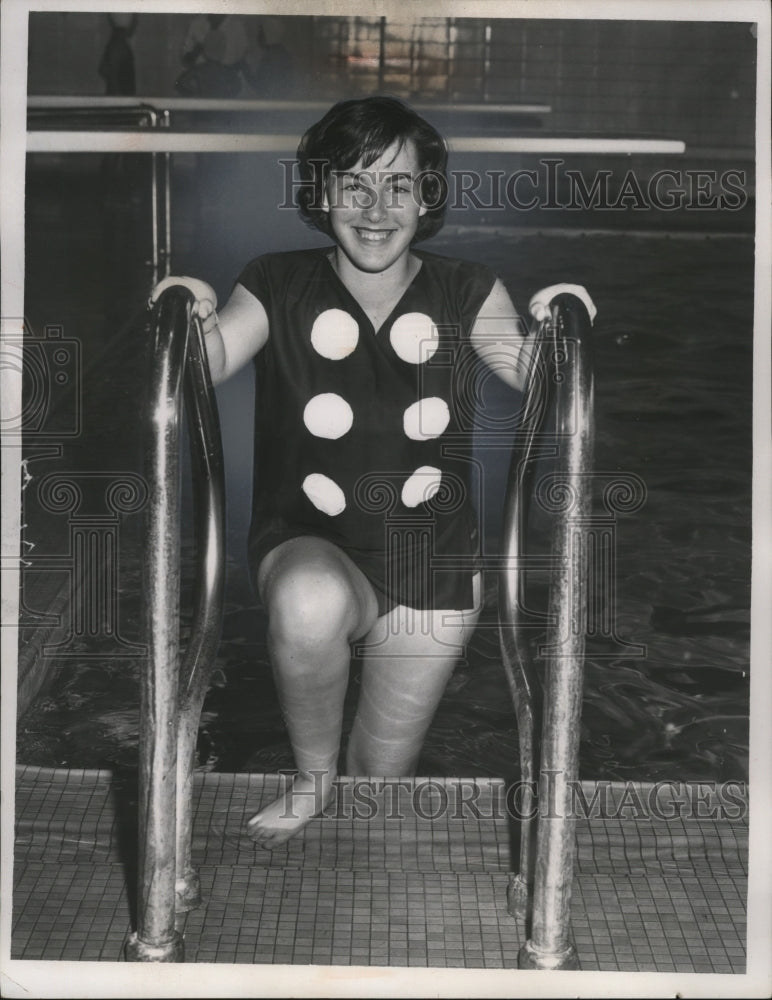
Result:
373,237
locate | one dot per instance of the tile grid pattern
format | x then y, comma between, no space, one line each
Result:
394,873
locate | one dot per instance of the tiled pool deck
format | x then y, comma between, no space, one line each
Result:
403,873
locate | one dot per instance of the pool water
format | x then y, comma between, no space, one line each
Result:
667,696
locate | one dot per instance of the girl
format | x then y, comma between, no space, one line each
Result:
363,524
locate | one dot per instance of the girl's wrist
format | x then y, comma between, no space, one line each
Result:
211,323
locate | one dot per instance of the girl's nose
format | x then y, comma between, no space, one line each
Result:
376,207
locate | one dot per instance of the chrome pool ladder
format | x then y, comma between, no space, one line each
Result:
560,389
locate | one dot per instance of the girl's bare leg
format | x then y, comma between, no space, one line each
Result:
318,602
410,659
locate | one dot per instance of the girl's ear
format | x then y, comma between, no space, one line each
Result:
422,210
325,206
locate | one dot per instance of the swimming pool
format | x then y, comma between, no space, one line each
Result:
673,404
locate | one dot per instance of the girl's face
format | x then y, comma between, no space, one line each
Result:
374,211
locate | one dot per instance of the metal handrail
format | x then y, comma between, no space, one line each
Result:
84,141
39,119
171,698
199,659
58,101
560,382
519,668
95,114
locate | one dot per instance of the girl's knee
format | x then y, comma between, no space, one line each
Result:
311,603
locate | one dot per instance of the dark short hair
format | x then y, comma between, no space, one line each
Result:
362,130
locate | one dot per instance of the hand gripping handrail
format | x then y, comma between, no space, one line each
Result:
560,382
172,696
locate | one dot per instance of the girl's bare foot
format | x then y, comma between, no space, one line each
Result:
290,812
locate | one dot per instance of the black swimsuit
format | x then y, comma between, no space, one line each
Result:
363,437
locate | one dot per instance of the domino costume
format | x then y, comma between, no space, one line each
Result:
363,437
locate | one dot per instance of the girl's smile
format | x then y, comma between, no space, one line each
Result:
373,235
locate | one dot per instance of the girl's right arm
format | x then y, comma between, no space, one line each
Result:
234,335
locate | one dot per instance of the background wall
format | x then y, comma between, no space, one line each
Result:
693,81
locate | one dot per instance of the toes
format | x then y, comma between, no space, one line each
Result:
258,836
255,832
268,841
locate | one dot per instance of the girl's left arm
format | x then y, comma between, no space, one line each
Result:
500,337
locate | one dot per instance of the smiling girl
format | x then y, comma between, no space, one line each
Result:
364,528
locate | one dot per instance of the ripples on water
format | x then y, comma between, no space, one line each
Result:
673,401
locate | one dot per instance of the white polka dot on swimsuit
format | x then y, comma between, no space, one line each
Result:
426,419
414,337
421,486
324,493
335,334
328,415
